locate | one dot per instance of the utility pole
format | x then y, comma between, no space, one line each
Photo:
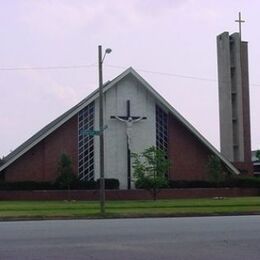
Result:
101,128
101,134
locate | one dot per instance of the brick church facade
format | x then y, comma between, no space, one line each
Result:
164,127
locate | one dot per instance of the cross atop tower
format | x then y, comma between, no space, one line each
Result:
239,21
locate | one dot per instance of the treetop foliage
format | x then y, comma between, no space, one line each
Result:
150,169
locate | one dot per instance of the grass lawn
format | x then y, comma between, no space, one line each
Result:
88,209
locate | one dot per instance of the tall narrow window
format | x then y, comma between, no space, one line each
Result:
161,129
86,143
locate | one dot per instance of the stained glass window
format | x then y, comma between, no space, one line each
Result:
161,129
86,143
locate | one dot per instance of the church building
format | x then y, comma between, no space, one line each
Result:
136,117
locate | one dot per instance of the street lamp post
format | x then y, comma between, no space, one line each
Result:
101,128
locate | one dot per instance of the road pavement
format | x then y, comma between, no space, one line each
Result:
233,237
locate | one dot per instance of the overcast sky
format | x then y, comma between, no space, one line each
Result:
176,37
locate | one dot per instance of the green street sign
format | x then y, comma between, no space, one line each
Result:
92,132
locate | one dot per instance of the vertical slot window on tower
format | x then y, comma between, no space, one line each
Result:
161,129
86,143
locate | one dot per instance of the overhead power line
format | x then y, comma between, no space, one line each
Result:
61,67
172,74
166,74
48,67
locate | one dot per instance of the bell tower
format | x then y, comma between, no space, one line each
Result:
234,105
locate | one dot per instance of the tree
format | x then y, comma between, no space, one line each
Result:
215,169
66,176
150,169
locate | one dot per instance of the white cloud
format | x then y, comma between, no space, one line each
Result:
62,17
45,86
59,17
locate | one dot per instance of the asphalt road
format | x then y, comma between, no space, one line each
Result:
159,238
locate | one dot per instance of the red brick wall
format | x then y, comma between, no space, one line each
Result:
129,194
189,156
40,162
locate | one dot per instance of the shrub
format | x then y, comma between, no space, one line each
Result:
84,185
110,184
233,182
26,185
244,182
77,185
190,184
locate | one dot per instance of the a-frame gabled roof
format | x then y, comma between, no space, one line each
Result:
44,132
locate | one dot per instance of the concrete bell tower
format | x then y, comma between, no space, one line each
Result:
234,108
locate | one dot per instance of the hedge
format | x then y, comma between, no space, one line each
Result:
235,182
239,182
78,185
110,184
